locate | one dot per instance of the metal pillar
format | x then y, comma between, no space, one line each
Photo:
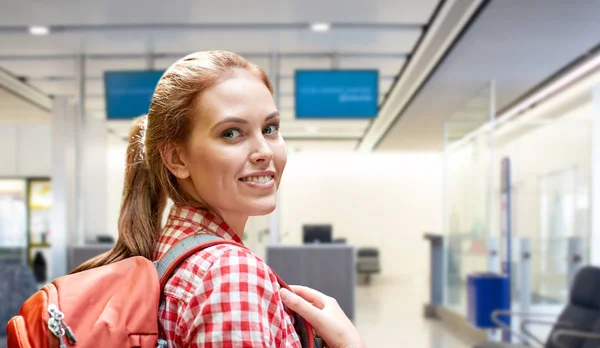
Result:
436,274
79,126
335,61
574,258
275,77
493,260
274,223
445,214
150,56
595,182
63,165
524,271
492,159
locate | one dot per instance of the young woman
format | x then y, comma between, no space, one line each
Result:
211,143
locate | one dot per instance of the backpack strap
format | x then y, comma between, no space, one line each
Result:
184,249
197,242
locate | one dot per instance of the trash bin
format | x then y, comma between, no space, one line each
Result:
486,293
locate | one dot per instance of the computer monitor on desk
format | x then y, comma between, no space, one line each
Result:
316,234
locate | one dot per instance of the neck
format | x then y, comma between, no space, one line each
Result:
236,222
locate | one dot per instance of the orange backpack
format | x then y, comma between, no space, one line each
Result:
110,306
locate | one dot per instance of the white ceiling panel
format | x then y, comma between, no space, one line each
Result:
251,41
351,40
259,41
386,66
37,68
73,12
287,102
55,87
165,63
96,67
95,103
22,44
288,66
287,86
94,87
74,43
16,110
118,41
384,86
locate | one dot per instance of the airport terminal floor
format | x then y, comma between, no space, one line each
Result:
392,316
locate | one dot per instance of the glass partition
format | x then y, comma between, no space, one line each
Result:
467,195
550,152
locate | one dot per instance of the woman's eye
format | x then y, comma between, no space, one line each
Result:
271,129
231,133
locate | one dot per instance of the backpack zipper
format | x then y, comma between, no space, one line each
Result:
58,326
56,320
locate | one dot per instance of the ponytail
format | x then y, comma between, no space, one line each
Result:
142,205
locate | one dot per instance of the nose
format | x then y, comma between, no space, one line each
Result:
261,152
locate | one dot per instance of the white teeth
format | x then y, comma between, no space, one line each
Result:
259,179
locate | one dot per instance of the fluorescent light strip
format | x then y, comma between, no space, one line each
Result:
568,78
402,92
39,30
25,91
320,27
574,75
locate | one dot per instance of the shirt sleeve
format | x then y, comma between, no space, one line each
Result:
236,304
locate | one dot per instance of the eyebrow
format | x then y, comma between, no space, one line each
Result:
242,120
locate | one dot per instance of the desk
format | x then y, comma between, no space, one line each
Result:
329,268
78,254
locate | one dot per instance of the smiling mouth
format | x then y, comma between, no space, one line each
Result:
263,179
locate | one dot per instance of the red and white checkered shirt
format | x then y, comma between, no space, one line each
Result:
223,296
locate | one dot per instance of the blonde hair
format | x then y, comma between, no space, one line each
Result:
148,181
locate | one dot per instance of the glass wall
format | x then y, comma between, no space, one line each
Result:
467,201
551,191
550,156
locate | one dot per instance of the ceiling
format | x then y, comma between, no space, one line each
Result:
517,43
117,35
430,68
90,12
15,109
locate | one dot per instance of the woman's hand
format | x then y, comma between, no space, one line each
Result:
325,316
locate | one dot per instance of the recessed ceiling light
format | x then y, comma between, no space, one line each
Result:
320,27
39,30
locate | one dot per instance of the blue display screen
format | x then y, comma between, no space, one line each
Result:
129,93
337,93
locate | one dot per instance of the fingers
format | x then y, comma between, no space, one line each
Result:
311,295
300,306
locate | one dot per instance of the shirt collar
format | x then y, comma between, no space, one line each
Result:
190,220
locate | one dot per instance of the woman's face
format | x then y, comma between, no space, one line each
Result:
235,154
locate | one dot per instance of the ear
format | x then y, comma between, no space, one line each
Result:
173,159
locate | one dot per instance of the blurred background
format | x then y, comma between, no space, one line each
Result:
436,147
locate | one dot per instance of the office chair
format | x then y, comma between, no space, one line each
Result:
368,262
17,285
577,326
